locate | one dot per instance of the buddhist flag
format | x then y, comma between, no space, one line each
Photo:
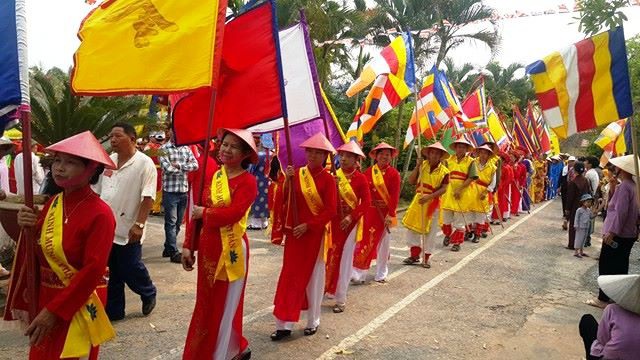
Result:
474,107
148,47
495,127
610,134
585,85
395,59
385,94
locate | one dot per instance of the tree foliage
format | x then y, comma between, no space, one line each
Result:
57,113
595,16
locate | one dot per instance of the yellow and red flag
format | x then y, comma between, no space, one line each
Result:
148,47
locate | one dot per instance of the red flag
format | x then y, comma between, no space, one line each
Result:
249,88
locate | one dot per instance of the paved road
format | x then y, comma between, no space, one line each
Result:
517,294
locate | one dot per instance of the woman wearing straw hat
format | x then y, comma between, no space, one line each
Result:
619,231
384,184
75,231
618,334
481,188
215,331
301,282
421,218
455,201
346,228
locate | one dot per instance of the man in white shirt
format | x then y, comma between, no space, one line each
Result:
36,170
130,191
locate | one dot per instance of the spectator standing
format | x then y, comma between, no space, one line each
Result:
620,231
576,188
36,170
176,162
129,190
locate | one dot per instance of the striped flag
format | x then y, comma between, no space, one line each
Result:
14,68
521,136
496,129
395,59
532,128
437,105
610,134
543,131
387,92
585,85
474,106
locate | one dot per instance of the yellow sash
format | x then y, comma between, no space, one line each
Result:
314,202
89,326
231,264
349,196
381,187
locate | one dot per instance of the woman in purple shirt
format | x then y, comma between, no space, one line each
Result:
618,334
620,229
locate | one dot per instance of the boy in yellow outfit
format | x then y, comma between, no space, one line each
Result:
456,200
482,188
421,218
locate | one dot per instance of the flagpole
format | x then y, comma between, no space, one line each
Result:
634,141
27,233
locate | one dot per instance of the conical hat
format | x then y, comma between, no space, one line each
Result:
464,141
320,142
485,147
83,145
625,163
623,289
352,147
383,146
244,135
437,146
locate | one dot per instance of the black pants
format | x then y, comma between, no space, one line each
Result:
126,267
615,261
588,328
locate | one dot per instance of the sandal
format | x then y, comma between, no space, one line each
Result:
4,274
578,256
310,331
280,334
338,308
410,260
445,241
455,247
426,265
596,303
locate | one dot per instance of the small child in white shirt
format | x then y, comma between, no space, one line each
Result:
582,222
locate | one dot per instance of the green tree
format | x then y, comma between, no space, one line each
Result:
505,88
595,16
453,30
57,113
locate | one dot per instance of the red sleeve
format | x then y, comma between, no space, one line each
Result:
326,186
393,186
243,196
99,239
361,188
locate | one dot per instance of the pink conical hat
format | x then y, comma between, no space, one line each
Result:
438,146
485,147
352,147
244,135
383,146
319,142
83,145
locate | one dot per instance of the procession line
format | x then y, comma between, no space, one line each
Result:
393,310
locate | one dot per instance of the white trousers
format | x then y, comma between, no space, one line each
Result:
413,238
315,292
455,219
227,344
478,218
382,261
346,266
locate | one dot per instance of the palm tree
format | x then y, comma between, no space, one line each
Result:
58,114
454,17
461,78
506,88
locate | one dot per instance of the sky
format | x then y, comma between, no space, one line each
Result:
53,25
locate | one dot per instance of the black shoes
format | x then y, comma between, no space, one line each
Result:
148,306
280,334
166,253
246,355
176,258
310,331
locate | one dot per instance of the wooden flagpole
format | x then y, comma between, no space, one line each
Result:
28,236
